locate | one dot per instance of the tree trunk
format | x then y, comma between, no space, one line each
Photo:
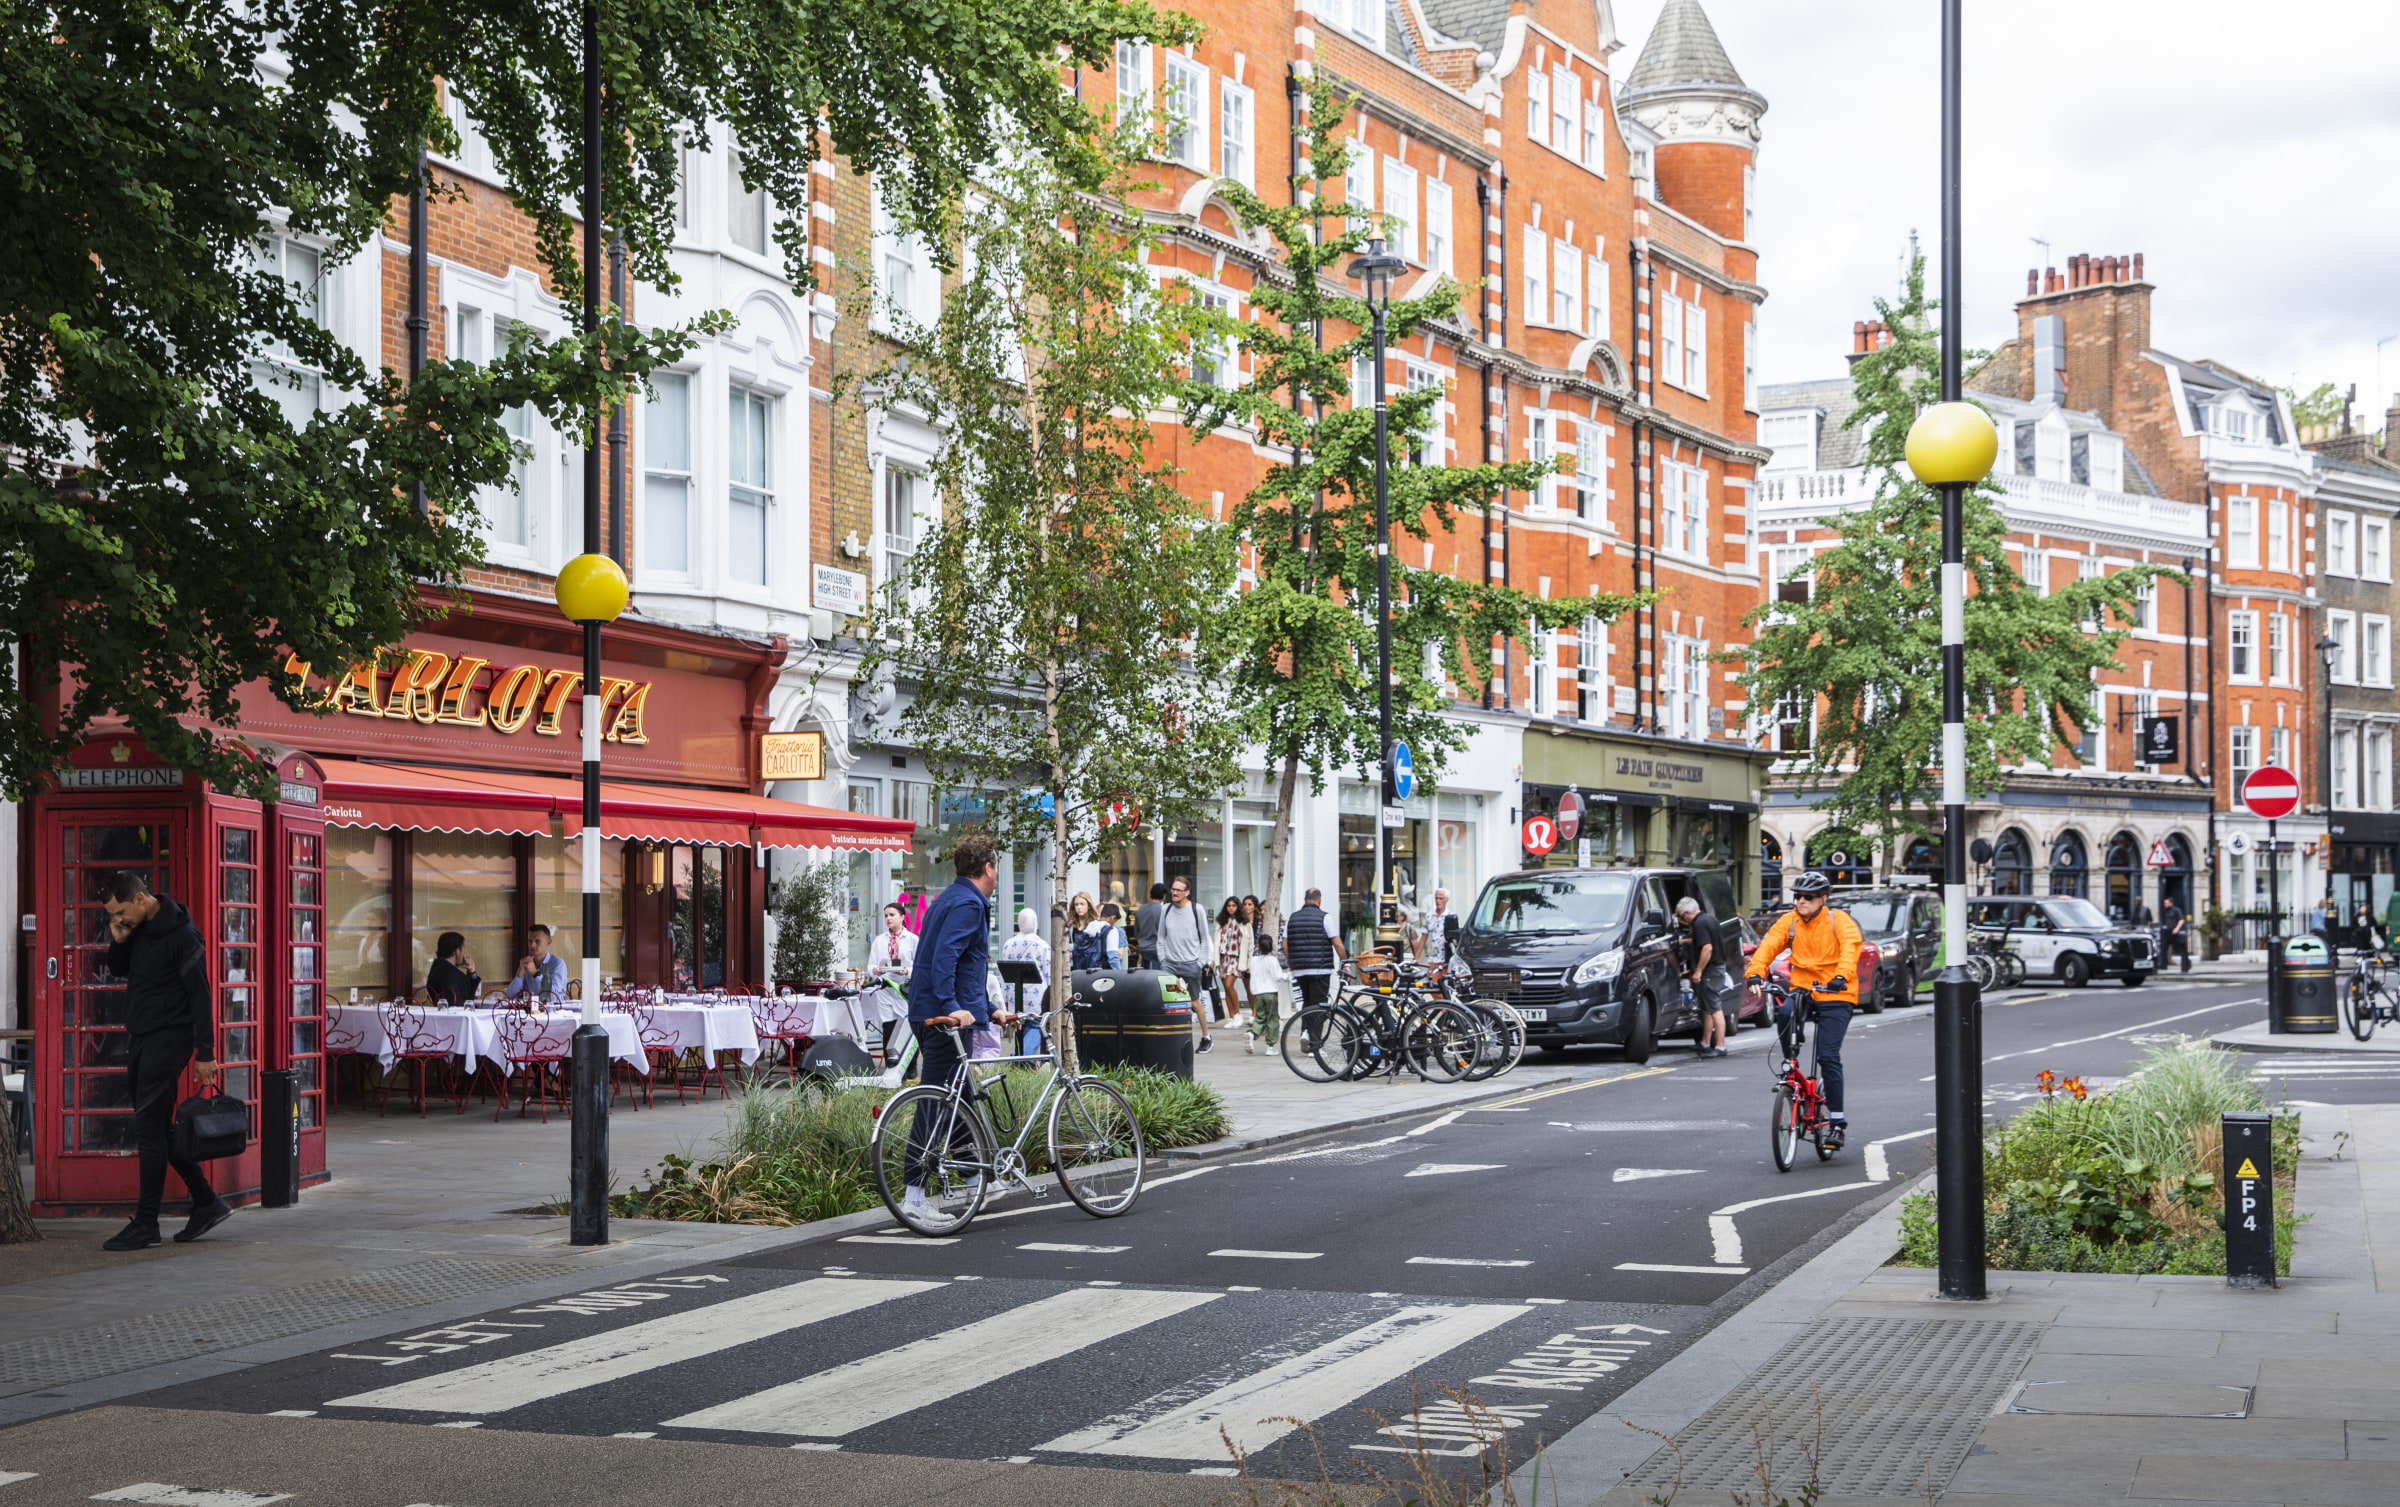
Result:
16,1221
1279,846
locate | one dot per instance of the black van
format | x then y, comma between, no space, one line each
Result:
1589,955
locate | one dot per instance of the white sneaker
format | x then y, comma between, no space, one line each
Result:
915,1202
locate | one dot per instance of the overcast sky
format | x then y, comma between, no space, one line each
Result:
2251,152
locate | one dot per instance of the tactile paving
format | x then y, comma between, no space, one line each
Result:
1858,1406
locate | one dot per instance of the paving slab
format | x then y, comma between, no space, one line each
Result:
2085,1339
2252,1312
2372,1441
2132,1399
2073,1365
2033,1469
2207,1478
2284,1400
2292,1438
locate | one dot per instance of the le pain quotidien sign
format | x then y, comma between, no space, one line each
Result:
1661,774
436,689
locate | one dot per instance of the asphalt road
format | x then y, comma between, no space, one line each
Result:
1543,1252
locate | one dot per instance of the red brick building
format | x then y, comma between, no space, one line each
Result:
1600,221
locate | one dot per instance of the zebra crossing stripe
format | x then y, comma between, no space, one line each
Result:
538,1375
1258,1409
869,1391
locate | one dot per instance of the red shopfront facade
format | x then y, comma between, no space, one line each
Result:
437,791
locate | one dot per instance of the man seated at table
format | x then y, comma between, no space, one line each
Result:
540,972
452,979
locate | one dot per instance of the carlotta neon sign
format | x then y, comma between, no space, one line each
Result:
428,686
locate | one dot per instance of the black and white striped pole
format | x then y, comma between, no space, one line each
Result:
1951,447
591,591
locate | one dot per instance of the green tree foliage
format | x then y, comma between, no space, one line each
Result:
2321,409
1062,625
166,528
1865,649
1306,633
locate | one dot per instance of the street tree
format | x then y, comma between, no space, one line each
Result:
1864,650
1060,627
1306,632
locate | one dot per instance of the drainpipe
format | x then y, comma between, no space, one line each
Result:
2208,598
1483,384
419,271
1508,645
618,454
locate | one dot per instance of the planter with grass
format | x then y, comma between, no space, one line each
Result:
798,1156
2128,1180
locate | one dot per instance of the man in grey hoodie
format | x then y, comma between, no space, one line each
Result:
1185,947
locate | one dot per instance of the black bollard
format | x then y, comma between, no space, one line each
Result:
2249,1199
587,1218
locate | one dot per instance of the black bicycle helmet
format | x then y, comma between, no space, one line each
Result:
1813,882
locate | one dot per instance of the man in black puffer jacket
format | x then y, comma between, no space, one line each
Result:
168,1022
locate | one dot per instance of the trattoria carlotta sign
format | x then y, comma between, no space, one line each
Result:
440,690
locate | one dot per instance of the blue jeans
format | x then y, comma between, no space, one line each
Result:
1833,1023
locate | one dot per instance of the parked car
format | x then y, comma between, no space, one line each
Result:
1870,969
1590,955
1904,927
2067,938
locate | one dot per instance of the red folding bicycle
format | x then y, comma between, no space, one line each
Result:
1799,1093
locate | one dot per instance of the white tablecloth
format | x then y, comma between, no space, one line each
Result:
712,1026
473,1035
816,1015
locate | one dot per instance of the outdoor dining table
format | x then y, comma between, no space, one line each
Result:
473,1032
711,1023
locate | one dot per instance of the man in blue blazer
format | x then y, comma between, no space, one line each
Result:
946,989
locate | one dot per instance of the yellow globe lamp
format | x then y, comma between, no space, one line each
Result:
592,589
1952,444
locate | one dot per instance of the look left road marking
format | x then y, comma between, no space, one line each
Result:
538,1375
871,1390
158,1495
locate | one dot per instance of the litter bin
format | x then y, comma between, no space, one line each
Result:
2299,985
1134,1017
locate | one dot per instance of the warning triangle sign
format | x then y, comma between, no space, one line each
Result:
2248,1168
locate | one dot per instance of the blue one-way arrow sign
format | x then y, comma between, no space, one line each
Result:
1404,772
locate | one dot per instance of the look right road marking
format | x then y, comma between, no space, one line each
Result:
1258,1409
538,1375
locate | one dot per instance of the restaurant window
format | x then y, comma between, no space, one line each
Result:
696,916
358,910
464,882
667,474
750,484
558,903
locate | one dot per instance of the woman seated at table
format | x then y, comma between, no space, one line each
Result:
452,980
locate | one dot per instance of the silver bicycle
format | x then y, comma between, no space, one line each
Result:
937,1150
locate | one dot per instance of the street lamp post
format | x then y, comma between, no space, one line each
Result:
1951,446
591,590
1376,268
2329,651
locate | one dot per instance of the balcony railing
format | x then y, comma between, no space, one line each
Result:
2027,501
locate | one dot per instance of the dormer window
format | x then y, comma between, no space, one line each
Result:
2236,420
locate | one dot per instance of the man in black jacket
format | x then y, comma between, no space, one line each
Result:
168,1022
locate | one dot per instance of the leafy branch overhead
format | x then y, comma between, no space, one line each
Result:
1863,651
197,478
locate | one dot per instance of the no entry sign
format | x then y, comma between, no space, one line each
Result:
1541,835
1570,816
2271,793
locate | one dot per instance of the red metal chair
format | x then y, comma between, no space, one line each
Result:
342,1049
409,1039
537,1052
786,1021
658,1045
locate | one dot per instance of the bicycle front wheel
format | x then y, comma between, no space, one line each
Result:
2012,969
933,1156
1439,1042
1783,1134
1319,1043
2358,1009
1096,1147
1501,1043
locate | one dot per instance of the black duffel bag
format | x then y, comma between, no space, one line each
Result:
830,1057
211,1127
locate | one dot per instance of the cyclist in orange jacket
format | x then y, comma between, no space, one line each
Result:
1824,944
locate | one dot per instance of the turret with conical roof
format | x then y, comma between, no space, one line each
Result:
1686,90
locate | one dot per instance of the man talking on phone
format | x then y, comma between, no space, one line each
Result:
156,949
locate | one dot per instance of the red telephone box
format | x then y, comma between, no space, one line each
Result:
252,877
